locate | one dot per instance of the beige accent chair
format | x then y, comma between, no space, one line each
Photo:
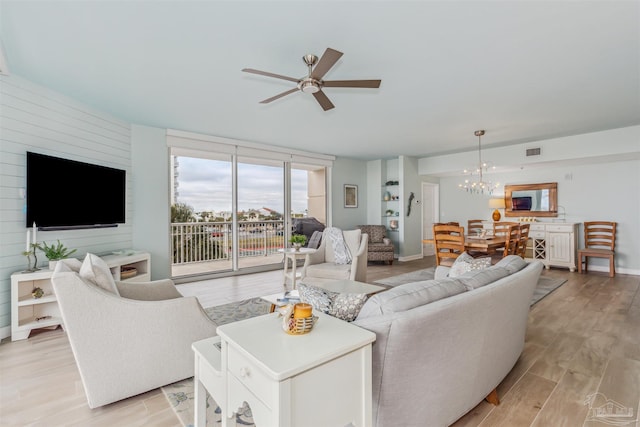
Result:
322,263
132,339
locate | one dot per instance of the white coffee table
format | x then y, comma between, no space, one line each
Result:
294,255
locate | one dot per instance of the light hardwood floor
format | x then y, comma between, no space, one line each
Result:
583,338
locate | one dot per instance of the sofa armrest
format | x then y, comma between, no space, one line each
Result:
148,291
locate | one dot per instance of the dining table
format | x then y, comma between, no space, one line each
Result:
487,244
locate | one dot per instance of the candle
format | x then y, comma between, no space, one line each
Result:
302,310
35,240
28,242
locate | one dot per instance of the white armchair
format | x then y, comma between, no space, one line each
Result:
322,263
130,343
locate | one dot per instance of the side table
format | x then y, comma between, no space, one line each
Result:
291,380
293,256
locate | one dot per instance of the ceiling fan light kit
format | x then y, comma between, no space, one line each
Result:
313,83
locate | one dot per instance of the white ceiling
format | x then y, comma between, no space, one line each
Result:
522,70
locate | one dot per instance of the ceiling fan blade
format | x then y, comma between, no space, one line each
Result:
328,60
264,73
280,95
352,83
323,100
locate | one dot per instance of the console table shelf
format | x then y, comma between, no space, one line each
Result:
25,309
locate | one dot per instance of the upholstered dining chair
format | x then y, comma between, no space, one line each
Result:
599,242
449,243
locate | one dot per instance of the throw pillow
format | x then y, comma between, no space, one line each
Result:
68,264
94,270
347,306
465,263
318,298
342,306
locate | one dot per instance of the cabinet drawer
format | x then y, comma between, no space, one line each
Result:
537,227
560,228
536,234
249,374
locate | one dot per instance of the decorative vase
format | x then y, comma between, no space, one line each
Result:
52,264
387,196
393,224
296,246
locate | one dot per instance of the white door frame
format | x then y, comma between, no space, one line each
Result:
430,197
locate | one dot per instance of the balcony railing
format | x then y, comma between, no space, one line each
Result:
193,242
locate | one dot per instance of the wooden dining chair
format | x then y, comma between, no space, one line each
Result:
524,239
474,226
501,228
599,242
449,243
510,246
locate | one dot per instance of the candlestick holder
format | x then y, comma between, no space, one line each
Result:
28,254
35,258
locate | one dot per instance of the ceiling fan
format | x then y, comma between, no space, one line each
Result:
313,82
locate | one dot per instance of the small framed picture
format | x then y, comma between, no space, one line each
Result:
350,196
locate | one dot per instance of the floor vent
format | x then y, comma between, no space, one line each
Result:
533,152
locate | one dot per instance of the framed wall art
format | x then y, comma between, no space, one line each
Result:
350,196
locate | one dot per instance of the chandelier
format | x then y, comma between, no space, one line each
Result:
475,183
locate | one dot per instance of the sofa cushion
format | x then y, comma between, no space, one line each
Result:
512,263
329,270
94,270
478,278
380,247
411,295
465,263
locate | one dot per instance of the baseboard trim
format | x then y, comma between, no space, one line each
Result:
5,332
410,257
605,269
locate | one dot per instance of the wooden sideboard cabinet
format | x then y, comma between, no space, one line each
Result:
555,244
29,313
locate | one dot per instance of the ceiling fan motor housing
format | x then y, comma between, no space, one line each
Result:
309,85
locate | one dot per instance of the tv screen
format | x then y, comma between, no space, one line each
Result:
521,203
66,194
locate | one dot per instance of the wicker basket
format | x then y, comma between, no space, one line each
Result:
301,326
128,272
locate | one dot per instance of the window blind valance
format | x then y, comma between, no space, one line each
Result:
188,142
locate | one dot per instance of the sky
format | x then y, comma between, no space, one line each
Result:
205,185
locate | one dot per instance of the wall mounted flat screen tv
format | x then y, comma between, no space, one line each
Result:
521,203
67,194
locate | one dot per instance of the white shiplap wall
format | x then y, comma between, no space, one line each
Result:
33,118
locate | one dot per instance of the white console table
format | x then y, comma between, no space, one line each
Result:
28,313
288,380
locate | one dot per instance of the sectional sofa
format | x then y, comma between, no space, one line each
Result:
443,345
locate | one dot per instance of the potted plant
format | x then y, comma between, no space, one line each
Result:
297,240
55,252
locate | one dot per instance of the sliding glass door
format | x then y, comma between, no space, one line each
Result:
260,212
232,213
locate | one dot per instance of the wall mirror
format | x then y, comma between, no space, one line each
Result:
531,199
